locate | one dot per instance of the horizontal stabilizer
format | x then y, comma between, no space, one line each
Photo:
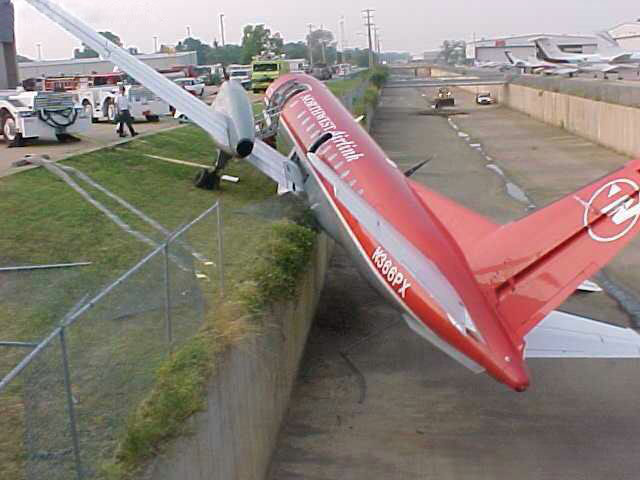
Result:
531,266
562,335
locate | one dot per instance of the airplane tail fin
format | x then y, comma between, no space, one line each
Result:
529,267
547,49
606,42
510,57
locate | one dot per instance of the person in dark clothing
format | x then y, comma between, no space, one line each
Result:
124,115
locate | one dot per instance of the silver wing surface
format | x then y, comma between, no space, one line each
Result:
217,124
562,335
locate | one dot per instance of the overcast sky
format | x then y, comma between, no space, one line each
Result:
406,25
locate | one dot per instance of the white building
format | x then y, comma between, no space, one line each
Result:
628,35
492,50
97,65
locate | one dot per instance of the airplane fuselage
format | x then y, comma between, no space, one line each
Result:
437,295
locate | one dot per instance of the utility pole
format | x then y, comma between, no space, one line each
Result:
222,28
323,45
309,46
155,44
367,15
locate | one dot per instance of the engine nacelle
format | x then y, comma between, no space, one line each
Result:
233,102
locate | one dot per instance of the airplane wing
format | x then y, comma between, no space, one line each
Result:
277,167
562,335
620,58
212,122
217,124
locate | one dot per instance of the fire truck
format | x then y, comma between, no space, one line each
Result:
29,115
97,95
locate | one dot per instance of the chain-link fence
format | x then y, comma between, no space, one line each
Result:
70,395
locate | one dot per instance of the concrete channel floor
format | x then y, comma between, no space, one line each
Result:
374,401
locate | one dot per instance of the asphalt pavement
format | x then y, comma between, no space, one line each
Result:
374,401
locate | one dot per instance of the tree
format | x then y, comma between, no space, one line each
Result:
453,52
195,45
318,39
359,57
22,59
227,55
258,40
295,50
88,52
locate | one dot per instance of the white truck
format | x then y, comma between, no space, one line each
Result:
97,95
100,103
30,115
241,73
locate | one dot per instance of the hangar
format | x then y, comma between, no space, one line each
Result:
89,65
492,50
628,35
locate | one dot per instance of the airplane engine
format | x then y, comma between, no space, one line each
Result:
233,102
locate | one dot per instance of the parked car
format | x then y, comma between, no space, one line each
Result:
191,85
485,99
321,71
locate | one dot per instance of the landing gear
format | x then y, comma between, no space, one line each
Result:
207,180
210,179
9,130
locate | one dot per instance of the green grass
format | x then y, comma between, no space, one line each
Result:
48,222
341,87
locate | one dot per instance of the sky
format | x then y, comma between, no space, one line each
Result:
405,25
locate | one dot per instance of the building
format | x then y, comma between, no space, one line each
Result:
90,65
8,73
492,50
628,35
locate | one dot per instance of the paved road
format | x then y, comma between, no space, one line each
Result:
374,401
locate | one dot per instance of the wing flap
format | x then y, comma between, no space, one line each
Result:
562,335
277,167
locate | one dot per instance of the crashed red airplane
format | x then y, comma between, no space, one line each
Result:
483,293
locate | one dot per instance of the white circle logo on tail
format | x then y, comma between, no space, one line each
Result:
619,201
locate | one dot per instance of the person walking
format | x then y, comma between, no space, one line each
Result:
124,115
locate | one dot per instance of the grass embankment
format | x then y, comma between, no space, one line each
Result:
375,80
44,221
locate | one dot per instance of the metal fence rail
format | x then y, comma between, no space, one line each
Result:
78,385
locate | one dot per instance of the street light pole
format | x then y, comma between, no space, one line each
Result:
222,28
39,46
309,46
155,44
188,31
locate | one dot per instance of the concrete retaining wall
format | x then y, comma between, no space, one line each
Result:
576,106
247,400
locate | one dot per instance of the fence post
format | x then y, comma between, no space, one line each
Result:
220,252
167,295
70,406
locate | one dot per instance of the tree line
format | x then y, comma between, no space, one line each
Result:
257,40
